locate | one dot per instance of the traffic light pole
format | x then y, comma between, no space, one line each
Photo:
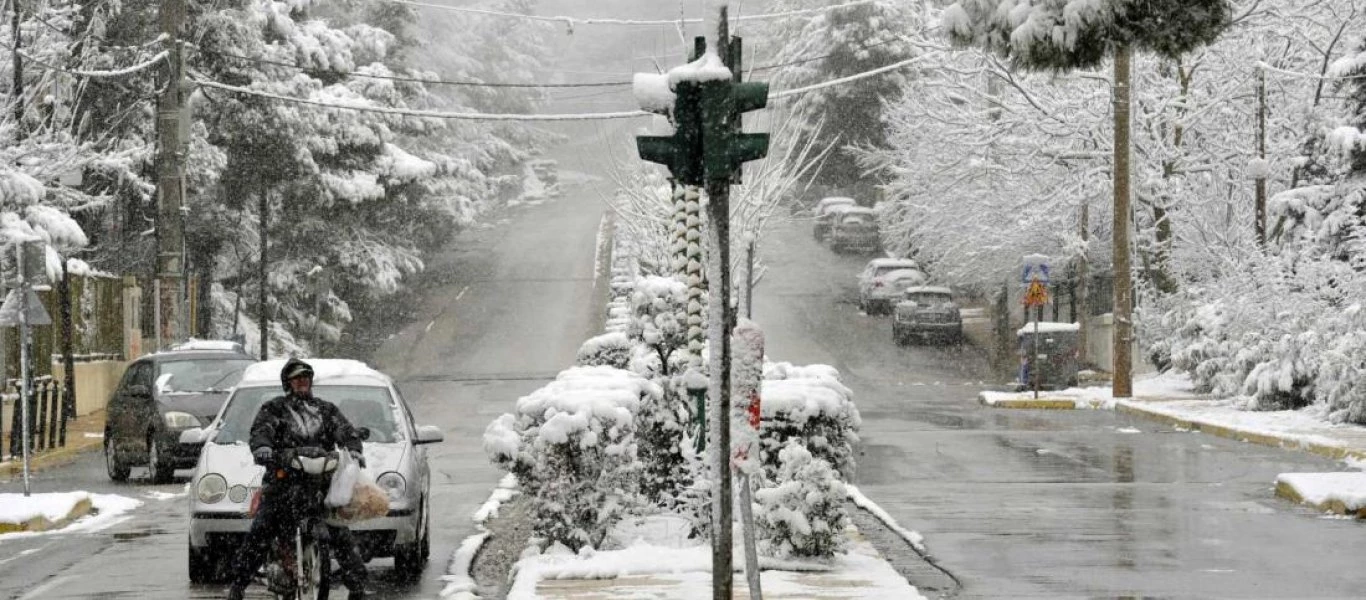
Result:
718,217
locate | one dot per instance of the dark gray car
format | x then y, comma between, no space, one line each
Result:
162,395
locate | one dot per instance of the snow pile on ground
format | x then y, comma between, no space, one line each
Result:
572,446
102,511
1166,386
460,583
17,508
1340,492
664,571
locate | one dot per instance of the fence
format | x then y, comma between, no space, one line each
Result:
48,416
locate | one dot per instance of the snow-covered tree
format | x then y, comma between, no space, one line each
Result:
834,44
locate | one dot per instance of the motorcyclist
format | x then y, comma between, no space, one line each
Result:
284,424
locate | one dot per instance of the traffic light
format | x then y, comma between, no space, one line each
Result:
725,146
682,151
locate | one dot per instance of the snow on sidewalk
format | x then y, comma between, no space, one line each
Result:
645,570
23,516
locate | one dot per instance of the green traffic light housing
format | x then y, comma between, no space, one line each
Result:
682,151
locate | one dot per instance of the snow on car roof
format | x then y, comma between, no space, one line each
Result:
836,200
894,262
902,274
325,370
213,345
929,289
857,210
1049,327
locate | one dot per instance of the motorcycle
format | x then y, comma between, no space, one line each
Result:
299,566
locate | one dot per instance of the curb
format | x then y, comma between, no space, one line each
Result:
1041,403
82,508
1329,451
1233,433
50,459
1288,492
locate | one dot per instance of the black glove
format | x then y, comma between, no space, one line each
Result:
358,457
263,455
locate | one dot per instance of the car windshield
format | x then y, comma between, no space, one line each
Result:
929,298
200,375
363,406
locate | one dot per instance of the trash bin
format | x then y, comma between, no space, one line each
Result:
1057,359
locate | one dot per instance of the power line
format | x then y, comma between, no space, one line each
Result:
843,80
100,74
426,81
474,116
572,21
435,114
1268,67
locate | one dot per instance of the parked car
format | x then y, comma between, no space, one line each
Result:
879,267
226,478
824,214
886,290
162,395
855,228
927,313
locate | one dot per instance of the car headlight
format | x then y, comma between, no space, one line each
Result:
211,488
393,484
237,493
180,420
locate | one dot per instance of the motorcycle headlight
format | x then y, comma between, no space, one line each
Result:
393,484
180,420
211,488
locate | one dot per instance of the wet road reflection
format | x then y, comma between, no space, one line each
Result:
1049,504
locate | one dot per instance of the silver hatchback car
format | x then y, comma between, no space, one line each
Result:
226,477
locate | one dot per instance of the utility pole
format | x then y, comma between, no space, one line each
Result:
264,315
1261,155
25,352
1123,308
172,146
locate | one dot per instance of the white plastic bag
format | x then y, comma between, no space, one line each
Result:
343,481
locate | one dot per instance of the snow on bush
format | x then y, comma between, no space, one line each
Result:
810,405
572,446
802,515
609,349
656,303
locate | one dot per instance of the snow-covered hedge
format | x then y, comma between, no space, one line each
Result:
572,446
802,514
808,404
607,350
807,438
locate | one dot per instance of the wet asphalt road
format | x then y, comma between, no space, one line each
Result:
1050,504
1018,504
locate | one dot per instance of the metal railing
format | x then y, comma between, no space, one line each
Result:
48,416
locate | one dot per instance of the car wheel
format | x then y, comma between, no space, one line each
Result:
159,465
203,565
118,470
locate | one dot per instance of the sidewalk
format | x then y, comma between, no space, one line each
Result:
1168,399
84,434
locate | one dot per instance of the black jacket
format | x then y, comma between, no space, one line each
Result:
277,427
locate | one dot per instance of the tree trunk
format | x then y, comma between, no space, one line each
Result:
1083,286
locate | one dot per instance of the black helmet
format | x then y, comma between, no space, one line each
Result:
294,368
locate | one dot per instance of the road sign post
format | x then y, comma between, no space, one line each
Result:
1035,276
